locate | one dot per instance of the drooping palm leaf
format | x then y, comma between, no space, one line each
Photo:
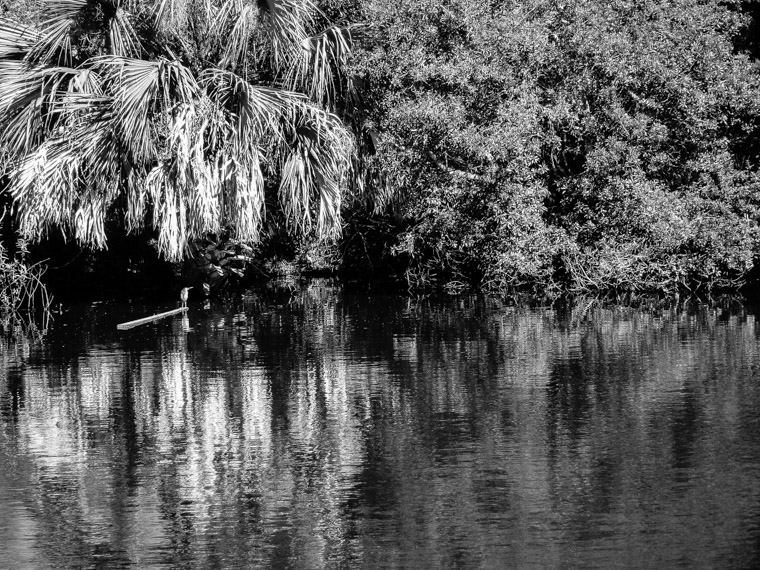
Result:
16,40
317,73
123,38
169,212
30,103
190,171
50,191
142,90
313,145
314,169
169,15
286,23
54,44
39,186
244,24
244,202
256,111
133,84
296,188
147,136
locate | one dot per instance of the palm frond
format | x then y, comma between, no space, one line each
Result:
242,182
265,112
169,15
37,119
48,191
86,81
16,40
55,41
89,220
204,198
237,41
61,10
30,103
124,40
323,57
296,188
329,218
141,89
169,212
39,188
92,133
314,146
133,84
178,84
256,111
191,174
195,153
286,25
314,171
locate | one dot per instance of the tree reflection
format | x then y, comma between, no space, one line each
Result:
316,428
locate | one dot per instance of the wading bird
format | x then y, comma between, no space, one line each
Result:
183,295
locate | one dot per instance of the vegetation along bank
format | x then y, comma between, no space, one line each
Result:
547,146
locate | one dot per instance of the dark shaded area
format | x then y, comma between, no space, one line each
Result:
365,249
8,234
129,269
749,37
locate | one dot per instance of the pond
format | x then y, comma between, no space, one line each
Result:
314,427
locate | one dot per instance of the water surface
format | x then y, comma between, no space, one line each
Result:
315,428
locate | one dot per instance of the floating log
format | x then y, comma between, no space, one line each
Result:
138,322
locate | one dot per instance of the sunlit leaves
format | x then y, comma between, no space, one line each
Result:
245,24
123,38
540,140
55,43
160,114
16,39
169,14
30,101
322,58
285,25
311,146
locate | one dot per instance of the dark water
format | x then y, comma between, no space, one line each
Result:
318,429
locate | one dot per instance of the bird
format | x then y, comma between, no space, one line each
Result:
183,295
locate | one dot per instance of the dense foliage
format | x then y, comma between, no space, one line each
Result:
539,145
191,114
578,144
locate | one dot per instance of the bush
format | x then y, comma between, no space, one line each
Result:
580,146
21,287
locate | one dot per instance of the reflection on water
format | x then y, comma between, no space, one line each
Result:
319,429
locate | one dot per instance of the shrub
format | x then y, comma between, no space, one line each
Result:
581,146
21,286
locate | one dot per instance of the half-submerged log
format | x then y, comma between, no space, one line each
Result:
138,322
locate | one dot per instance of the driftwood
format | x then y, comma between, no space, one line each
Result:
138,322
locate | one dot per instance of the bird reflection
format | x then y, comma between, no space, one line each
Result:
185,322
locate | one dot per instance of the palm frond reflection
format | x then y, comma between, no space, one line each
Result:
299,425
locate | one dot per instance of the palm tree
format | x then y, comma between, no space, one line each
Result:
183,113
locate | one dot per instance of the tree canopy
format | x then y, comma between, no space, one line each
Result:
576,144
536,144
189,114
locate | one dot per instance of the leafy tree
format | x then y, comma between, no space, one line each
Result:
579,145
648,163
456,139
190,114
